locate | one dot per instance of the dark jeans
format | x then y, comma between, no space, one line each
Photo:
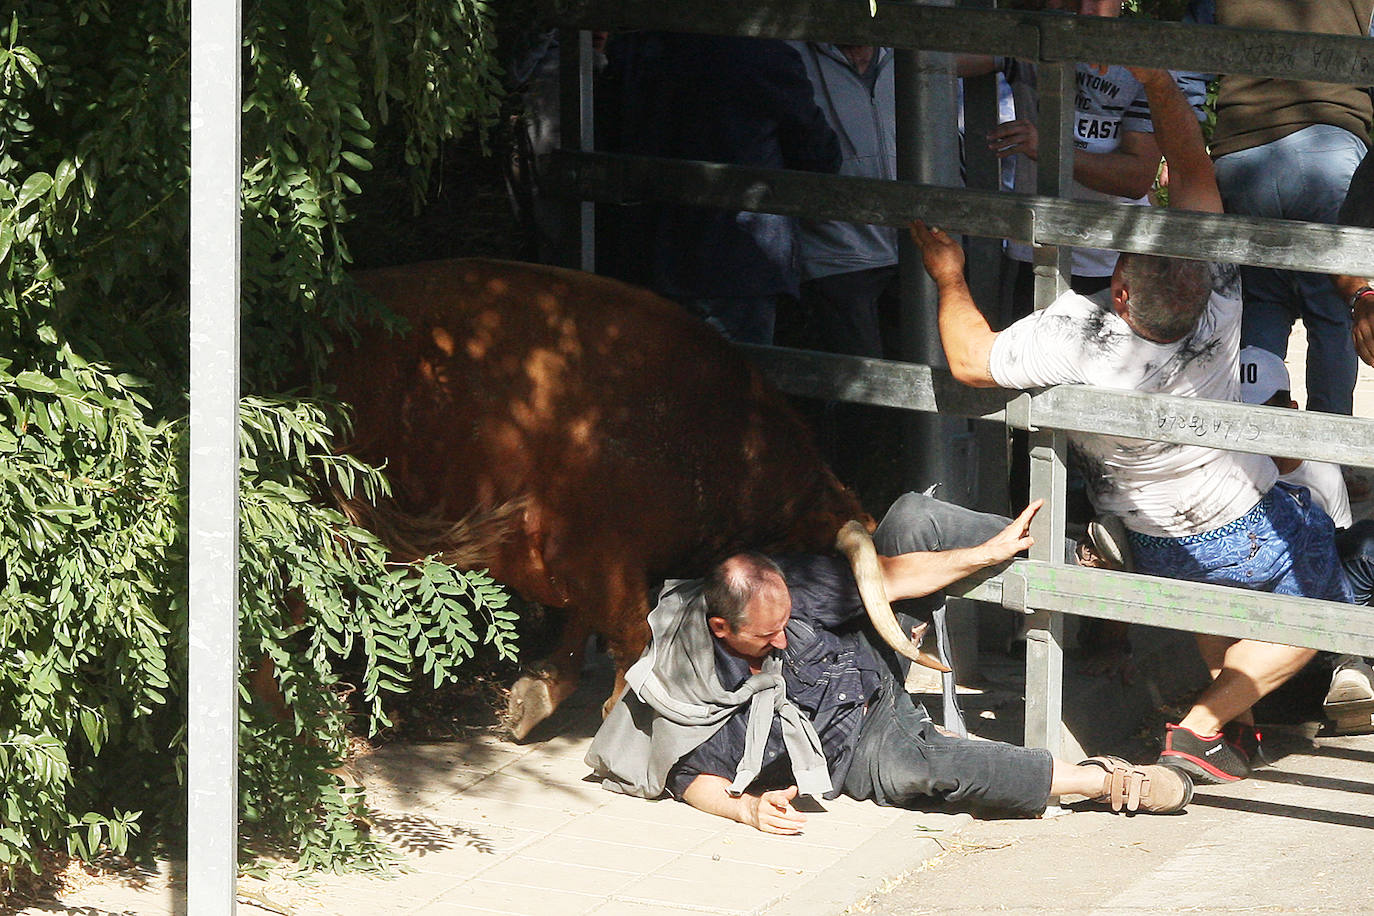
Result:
856,312
903,760
991,776
1356,547
743,319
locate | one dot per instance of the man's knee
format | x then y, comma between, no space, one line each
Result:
909,525
920,522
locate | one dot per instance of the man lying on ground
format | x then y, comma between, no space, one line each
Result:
764,681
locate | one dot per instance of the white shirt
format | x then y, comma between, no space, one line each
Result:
1328,488
1158,488
1105,105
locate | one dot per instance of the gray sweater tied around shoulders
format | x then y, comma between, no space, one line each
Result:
674,701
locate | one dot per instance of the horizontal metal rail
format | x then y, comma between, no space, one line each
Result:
1073,408
622,180
1176,604
1028,35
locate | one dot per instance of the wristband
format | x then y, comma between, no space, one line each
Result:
1360,293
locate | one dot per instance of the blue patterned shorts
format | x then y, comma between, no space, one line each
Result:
1285,545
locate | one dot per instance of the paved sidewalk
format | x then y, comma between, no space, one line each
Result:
491,827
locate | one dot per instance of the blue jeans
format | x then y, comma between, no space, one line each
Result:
1285,545
1301,176
743,319
1356,547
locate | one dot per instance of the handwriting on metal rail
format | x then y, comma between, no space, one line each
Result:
1204,427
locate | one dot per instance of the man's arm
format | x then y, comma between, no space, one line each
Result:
771,812
1192,180
1127,171
1361,312
964,333
920,573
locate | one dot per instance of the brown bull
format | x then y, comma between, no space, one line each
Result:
581,438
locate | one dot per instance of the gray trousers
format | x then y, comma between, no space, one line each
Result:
901,757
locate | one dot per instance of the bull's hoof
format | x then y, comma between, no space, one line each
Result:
530,702
533,699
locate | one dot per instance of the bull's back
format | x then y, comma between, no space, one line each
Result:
634,430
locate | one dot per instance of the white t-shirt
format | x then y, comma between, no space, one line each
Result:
1105,105
1159,488
1328,488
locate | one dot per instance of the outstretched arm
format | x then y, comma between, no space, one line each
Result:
964,333
771,812
920,573
1192,180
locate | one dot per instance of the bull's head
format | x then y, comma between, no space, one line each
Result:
855,543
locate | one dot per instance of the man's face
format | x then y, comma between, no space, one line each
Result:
765,628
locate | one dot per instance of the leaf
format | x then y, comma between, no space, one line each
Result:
34,381
35,186
358,162
66,173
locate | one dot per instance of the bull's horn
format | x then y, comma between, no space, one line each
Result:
855,543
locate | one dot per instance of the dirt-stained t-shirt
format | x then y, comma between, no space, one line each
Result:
1159,488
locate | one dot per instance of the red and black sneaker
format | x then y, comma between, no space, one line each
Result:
1209,760
1245,738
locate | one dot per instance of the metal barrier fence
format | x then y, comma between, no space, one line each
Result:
1041,586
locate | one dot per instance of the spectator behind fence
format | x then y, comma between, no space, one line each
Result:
1349,700
1358,291
742,101
1115,158
1166,326
849,270
532,78
1287,149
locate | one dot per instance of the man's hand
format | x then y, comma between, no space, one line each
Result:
1014,538
1362,328
942,255
1149,76
1012,137
772,812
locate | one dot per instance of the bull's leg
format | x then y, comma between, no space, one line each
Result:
533,698
626,645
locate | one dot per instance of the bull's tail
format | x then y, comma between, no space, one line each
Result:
469,543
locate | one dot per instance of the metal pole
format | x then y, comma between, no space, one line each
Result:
983,171
576,132
937,449
1045,637
212,696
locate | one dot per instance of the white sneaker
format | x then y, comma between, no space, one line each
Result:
1350,700
1107,545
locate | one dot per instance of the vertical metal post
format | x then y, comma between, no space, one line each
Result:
576,132
212,697
928,152
1045,638
983,171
